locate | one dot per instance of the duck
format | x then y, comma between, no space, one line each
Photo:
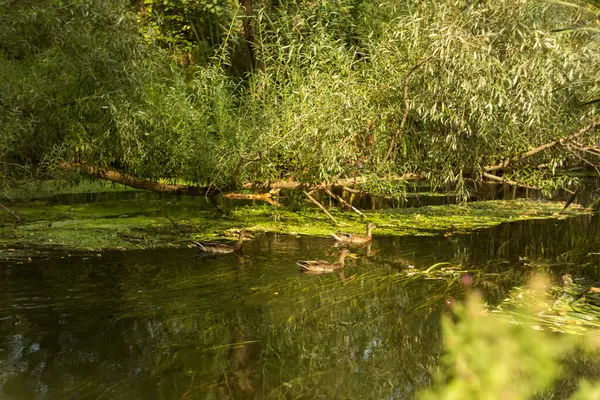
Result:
325,266
223,248
356,239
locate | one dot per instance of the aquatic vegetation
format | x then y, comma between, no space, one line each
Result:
489,356
148,222
572,307
196,327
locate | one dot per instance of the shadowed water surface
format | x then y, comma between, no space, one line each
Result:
169,324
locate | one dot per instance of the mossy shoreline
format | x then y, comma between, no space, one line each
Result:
139,223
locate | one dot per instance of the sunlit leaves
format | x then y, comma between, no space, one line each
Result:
326,100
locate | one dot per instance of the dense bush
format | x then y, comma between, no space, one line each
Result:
142,90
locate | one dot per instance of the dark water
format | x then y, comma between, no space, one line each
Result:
169,324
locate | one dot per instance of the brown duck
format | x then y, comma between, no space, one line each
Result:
223,248
350,238
325,266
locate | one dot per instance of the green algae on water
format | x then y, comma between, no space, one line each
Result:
137,223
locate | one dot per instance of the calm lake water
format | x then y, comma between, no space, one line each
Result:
172,324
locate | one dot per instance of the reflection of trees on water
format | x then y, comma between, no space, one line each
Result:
317,337
160,326
423,195
560,242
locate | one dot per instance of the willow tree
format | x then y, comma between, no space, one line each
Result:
492,90
445,90
491,82
82,84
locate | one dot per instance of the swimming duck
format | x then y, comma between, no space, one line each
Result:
324,266
349,238
223,248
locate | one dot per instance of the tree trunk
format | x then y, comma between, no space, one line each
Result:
249,32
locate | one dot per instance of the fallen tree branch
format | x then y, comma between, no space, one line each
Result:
507,181
585,161
267,197
539,149
514,183
587,149
11,213
138,183
186,190
320,206
344,202
347,189
346,182
400,130
292,185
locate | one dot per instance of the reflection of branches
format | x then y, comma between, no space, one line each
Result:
237,382
402,359
241,364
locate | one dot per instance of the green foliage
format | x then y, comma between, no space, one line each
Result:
66,64
164,90
489,358
495,83
191,29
